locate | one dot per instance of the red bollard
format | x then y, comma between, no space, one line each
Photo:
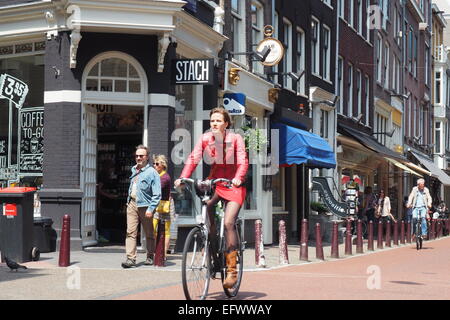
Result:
348,238
408,232
402,232
395,233
359,239
159,247
370,237
319,248
260,260
64,247
282,243
304,241
388,234
335,241
432,234
380,235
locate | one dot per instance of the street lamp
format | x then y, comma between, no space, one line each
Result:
259,56
389,133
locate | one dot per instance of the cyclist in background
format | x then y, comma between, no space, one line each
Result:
420,201
226,153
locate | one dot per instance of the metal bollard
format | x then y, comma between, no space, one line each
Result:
402,232
388,234
283,253
408,232
395,225
319,248
380,235
370,237
439,228
304,241
359,239
260,260
64,247
160,241
335,241
348,238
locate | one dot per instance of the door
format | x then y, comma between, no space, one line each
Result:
89,175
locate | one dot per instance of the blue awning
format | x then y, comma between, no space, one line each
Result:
299,146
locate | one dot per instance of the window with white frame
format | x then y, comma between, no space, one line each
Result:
257,14
415,114
378,57
359,91
238,31
368,9
360,16
287,60
350,91
277,36
415,66
427,68
341,8
300,60
315,50
421,121
367,98
437,87
381,126
394,73
278,190
340,85
351,13
386,65
447,135
326,53
328,2
324,125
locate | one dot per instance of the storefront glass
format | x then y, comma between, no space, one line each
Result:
184,120
22,131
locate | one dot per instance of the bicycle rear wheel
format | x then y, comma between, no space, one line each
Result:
232,292
418,236
195,266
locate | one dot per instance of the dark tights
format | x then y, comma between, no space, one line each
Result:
231,213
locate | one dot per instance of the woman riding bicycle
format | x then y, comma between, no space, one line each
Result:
226,153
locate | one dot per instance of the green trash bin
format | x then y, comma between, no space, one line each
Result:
16,224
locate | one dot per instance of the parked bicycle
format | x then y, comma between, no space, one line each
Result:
203,259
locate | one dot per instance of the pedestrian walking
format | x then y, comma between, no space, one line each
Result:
369,203
163,210
144,195
384,207
420,201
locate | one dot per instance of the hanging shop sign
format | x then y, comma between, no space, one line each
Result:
339,208
13,89
276,47
234,103
192,71
31,133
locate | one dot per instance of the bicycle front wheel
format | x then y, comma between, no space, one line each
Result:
195,266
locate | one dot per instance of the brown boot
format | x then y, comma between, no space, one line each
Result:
231,278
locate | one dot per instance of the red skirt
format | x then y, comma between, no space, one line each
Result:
234,194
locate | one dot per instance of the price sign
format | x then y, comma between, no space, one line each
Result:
13,89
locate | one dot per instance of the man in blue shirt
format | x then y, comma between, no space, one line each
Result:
144,195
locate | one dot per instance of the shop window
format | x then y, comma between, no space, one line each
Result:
278,190
184,119
21,131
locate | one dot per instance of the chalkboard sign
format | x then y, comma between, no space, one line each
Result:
31,133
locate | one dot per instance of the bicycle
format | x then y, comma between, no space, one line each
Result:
202,260
418,231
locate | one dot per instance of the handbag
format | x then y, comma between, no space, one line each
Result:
163,206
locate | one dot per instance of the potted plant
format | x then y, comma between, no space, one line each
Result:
318,206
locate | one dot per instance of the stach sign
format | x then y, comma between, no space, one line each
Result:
192,71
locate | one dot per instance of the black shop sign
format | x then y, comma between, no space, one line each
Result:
192,71
31,133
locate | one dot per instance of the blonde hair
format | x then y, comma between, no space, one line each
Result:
160,158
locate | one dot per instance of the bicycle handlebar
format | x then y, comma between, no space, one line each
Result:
212,181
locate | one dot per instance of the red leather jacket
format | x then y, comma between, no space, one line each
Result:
227,161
